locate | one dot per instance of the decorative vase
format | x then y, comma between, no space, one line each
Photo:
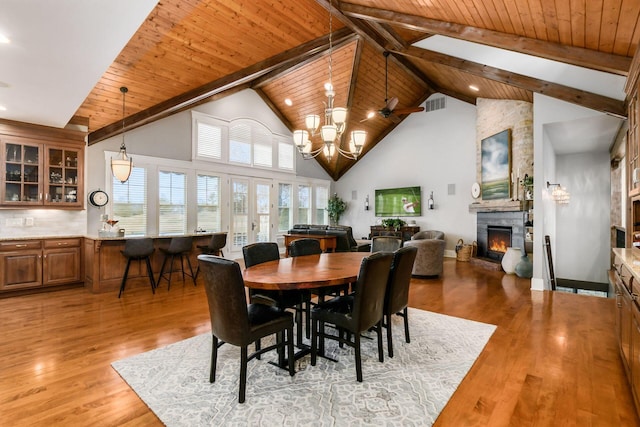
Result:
524,268
510,259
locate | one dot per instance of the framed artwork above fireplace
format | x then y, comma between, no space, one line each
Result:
495,164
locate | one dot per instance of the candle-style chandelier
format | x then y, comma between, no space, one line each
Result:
335,123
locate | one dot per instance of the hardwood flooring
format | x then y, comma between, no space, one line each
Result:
552,361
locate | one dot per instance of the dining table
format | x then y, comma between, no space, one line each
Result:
304,272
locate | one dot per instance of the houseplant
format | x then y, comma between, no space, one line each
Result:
394,223
336,207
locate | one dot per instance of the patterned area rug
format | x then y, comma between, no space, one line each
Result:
409,389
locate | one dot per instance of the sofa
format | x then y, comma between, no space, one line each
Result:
344,236
430,257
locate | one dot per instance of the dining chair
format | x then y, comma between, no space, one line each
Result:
385,244
396,298
236,323
355,313
257,253
301,247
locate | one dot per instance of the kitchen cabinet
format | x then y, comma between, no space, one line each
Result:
43,167
32,264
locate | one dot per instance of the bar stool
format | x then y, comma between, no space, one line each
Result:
217,242
178,247
138,250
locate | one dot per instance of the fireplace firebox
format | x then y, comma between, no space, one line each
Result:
498,240
508,228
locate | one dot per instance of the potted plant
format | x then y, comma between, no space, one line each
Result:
336,207
394,223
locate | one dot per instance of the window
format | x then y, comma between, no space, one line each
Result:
209,214
209,140
172,206
130,202
322,198
304,204
242,142
285,213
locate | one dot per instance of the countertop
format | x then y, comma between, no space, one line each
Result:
103,238
630,257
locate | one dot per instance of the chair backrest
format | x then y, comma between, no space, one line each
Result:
370,290
428,234
301,247
257,253
138,248
397,295
224,287
552,276
218,241
179,245
385,244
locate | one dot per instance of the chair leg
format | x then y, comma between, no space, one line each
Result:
314,342
380,349
214,359
164,262
389,336
150,274
307,317
289,344
281,342
243,374
406,325
298,320
124,277
258,345
182,267
190,270
358,358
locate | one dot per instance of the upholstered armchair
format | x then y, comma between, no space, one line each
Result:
430,257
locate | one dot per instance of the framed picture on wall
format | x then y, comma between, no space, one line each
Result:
496,165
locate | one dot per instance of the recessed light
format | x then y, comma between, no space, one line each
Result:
4,39
474,87
370,114
289,102
3,108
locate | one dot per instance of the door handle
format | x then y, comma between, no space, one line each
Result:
253,226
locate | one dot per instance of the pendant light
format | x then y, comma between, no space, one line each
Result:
121,166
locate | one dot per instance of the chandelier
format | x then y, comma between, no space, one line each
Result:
335,123
122,165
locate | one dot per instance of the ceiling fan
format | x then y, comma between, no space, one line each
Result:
389,110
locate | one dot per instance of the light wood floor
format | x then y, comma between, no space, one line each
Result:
552,361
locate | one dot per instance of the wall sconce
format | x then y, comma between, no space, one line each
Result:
430,202
559,194
366,203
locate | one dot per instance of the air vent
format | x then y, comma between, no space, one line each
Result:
435,104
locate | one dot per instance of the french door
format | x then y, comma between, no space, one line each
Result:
250,211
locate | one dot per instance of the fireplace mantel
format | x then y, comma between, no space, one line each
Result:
497,206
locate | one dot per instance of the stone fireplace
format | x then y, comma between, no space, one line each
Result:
499,230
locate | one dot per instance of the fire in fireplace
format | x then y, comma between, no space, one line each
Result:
498,240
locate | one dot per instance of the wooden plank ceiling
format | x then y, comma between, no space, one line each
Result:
193,51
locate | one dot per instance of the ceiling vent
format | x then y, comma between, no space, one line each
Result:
435,104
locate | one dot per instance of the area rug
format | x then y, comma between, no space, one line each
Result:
409,389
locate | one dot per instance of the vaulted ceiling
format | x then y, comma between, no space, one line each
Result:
193,51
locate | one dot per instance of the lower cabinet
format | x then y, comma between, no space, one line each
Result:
30,264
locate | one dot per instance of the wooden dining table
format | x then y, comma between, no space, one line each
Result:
305,272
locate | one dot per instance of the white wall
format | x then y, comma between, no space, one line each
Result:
432,150
546,111
582,227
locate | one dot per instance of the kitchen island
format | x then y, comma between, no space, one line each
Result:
104,263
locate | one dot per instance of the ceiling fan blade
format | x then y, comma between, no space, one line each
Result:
395,119
408,110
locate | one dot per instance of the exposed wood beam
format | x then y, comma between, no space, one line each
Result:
565,93
582,57
394,41
231,83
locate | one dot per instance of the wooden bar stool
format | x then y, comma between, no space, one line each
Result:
179,247
138,250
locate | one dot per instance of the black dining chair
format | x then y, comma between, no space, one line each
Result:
302,247
355,313
385,244
236,323
260,252
396,298
214,247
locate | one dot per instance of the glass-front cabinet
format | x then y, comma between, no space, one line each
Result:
39,173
